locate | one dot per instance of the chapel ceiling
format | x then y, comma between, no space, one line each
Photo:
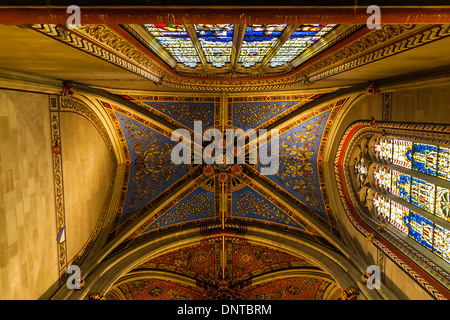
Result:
156,83
165,196
224,269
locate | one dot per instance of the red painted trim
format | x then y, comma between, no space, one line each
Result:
211,14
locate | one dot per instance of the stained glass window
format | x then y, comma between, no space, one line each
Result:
422,194
258,39
382,205
421,229
443,203
421,159
399,217
383,149
382,178
300,40
402,152
444,163
424,158
401,185
175,39
442,242
216,41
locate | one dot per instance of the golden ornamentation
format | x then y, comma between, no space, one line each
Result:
373,89
68,89
350,293
370,237
96,296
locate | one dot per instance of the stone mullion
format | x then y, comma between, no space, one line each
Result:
285,35
238,38
190,29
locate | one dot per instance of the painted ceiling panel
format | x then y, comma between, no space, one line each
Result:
297,171
187,113
156,289
253,112
183,110
222,193
293,288
198,205
152,170
198,262
248,203
243,261
223,268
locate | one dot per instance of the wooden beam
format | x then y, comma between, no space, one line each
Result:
231,15
190,29
238,37
285,35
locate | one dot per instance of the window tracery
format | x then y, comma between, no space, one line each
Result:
407,187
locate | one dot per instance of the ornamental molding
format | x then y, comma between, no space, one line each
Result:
114,45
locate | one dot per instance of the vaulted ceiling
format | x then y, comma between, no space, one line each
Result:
151,79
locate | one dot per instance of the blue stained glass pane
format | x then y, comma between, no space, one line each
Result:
444,163
422,194
424,158
401,185
421,229
175,39
442,242
258,39
300,40
216,41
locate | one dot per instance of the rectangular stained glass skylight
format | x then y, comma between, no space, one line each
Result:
216,41
300,40
175,39
258,39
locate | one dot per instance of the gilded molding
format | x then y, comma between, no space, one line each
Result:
367,46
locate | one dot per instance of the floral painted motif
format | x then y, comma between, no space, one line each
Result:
250,115
187,113
198,205
151,167
298,156
249,204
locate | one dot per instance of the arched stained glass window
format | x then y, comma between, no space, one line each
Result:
407,194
